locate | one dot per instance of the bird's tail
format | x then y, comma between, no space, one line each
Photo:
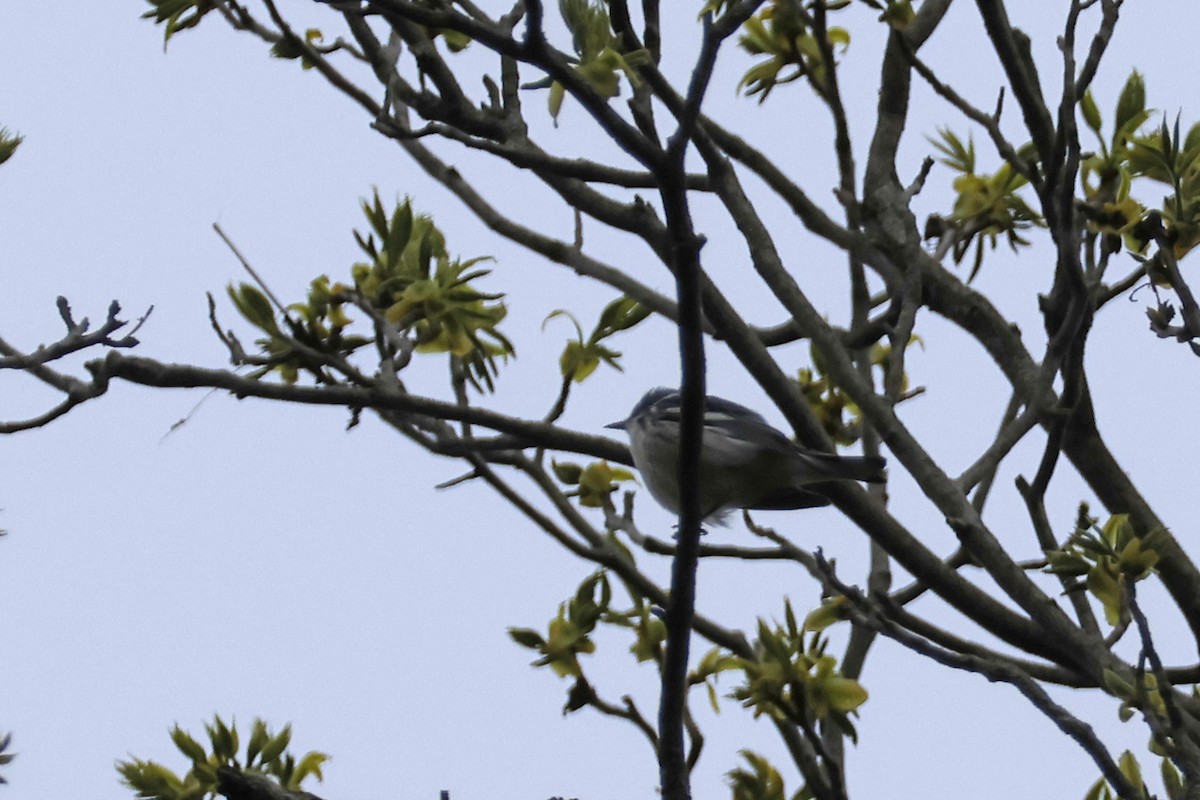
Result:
816,467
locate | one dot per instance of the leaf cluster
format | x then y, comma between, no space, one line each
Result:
288,47
986,206
1142,694
1107,558
1168,157
790,677
6,757
1108,175
782,33
840,417
266,754
412,279
594,483
1164,155
409,282
712,664
794,678
316,325
177,15
831,405
581,356
1127,763
9,142
759,780
568,635
600,60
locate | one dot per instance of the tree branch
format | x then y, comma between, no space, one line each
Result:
876,614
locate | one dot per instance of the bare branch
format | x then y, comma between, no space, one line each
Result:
1108,23
989,122
1012,47
148,372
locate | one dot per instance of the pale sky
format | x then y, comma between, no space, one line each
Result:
262,561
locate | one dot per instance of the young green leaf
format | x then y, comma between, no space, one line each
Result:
187,745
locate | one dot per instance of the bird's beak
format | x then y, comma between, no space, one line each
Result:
618,425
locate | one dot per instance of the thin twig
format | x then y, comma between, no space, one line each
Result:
249,269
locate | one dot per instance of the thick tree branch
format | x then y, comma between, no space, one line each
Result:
148,372
689,283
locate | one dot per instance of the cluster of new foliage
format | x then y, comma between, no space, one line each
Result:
267,764
409,286
1130,197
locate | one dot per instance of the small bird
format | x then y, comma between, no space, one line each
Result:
744,462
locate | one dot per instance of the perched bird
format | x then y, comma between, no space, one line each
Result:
744,462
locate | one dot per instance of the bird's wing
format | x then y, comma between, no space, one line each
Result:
720,407
724,451
737,440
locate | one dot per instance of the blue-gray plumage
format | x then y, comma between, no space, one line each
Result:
744,462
